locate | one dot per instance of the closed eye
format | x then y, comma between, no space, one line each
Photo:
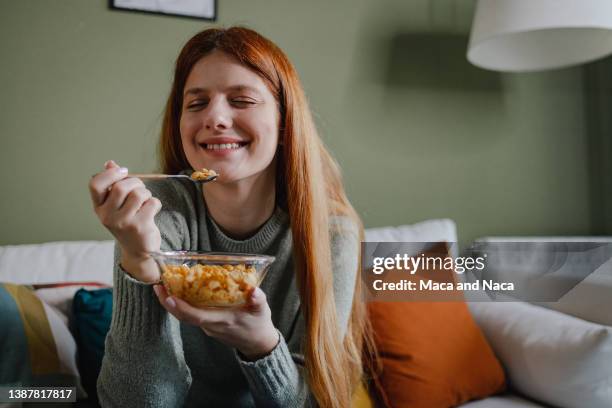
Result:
197,104
243,102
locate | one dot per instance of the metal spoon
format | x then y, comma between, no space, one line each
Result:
174,176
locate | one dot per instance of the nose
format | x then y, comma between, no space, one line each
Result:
217,115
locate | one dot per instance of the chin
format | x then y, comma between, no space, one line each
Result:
225,178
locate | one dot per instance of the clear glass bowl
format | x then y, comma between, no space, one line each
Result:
211,279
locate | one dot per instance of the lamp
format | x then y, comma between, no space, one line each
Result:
532,35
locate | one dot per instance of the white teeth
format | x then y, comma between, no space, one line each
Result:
222,146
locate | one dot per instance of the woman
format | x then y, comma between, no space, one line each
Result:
236,106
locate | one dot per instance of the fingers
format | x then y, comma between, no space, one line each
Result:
135,199
256,300
119,192
189,314
101,182
110,164
121,201
149,209
171,304
161,293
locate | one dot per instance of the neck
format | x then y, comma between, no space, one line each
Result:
241,208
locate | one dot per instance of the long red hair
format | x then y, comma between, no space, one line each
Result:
309,187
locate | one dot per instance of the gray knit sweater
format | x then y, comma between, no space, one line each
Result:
154,360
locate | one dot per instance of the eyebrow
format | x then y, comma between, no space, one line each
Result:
198,90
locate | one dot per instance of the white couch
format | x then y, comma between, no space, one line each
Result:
544,381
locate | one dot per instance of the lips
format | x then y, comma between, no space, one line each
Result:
222,140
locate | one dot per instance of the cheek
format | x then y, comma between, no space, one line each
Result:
267,142
271,132
187,127
268,131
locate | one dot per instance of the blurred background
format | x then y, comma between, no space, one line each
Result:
419,132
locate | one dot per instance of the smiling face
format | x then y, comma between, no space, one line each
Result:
229,119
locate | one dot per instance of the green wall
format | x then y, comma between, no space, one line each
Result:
503,155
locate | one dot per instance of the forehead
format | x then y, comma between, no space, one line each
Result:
220,71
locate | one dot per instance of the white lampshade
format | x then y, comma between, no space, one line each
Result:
532,35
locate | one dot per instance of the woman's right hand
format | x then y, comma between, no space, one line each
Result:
127,209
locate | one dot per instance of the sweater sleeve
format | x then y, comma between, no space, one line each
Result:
144,364
345,243
277,380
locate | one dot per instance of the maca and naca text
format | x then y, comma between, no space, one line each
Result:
430,285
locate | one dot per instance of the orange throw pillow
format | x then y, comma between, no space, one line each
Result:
433,355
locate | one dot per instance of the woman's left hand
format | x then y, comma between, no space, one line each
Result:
248,328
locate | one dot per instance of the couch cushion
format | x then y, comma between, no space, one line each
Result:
57,262
37,347
439,230
61,294
432,353
572,275
590,299
503,401
552,357
92,316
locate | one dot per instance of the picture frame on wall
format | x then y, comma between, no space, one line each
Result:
198,9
